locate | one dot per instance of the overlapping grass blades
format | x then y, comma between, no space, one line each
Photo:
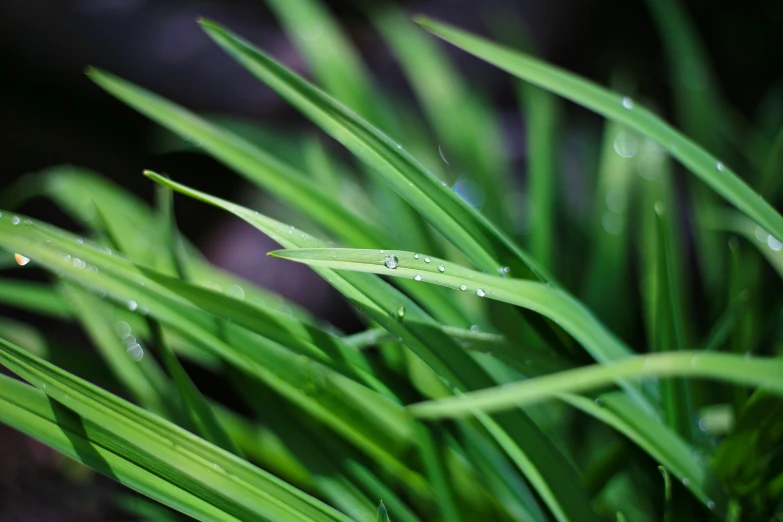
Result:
622,109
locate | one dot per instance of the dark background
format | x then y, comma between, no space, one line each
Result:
50,114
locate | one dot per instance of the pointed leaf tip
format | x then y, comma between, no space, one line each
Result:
383,515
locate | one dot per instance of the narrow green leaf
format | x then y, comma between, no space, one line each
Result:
759,372
538,297
622,109
285,182
35,297
471,139
383,515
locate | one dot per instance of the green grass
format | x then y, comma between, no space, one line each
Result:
593,375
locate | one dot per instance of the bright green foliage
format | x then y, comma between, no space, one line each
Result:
482,388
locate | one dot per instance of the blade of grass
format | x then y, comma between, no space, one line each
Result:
461,118
285,182
701,114
192,465
759,372
35,297
143,379
622,109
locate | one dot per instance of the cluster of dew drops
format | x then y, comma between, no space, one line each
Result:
392,262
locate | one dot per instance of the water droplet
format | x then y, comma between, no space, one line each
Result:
719,166
442,155
21,260
612,223
415,256
391,262
15,220
463,287
627,102
470,192
401,312
67,258
686,481
480,292
80,240
136,352
122,329
381,251
78,263
474,328
417,277
625,145
441,268
132,305
774,244
598,401
710,504
761,234
236,292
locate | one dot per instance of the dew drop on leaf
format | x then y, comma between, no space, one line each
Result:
391,262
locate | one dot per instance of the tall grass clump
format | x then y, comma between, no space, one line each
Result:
617,361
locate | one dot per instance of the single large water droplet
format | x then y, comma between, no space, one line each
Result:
480,292
132,305
625,145
774,244
427,260
21,260
441,268
627,102
442,155
391,262
236,292
15,220
417,277
136,352
401,312
415,256
474,328
123,329
710,504
463,287
719,166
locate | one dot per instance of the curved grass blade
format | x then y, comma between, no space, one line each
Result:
551,302
35,297
663,445
758,372
701,114
471,139
223,480
622,109
468,230
143,379
548,471
769,246
285,182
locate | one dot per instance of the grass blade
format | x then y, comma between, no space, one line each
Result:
622,109
759,372
285,182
